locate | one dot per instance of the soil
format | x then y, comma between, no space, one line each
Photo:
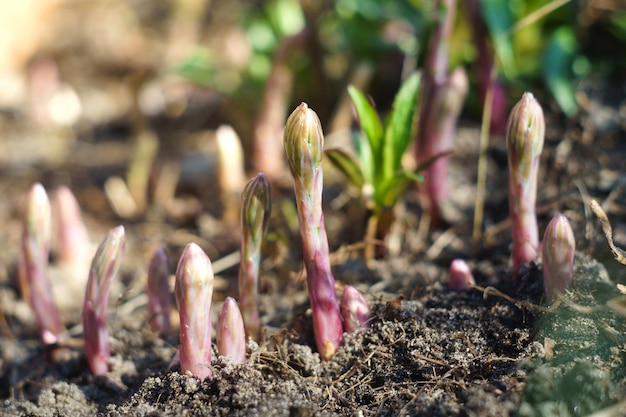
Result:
496,350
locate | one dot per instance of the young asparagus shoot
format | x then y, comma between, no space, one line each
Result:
461,277
436,136
231,337
354,309
158,289
33,264
557,255
194,290
256,206
104,268
524,138
304,144
73,246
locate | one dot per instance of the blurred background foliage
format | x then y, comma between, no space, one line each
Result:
556,49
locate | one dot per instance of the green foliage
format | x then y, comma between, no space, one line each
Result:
557,70
379,148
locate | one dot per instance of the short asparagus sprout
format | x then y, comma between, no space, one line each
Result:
304,143
461,277
194,289
524,137
73,246
557,254
255,216
354,309
33,264
231,337
158,289
104,268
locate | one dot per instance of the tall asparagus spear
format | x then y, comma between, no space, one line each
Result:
255,216
524,138
304,143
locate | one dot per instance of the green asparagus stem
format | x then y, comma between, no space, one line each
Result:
304,143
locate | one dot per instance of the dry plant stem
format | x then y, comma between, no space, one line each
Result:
354,309
231,336
618,254
557,255
481,181
158,290
194,290
33,262
255,215
304,143
104,267
524,138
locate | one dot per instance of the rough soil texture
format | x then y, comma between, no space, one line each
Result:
497,350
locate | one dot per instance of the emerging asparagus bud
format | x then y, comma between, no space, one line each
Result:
194,289
158,289
557,254
231,337
524,138
33,263
354,309
104,267
73,246
304,142
255,216
461,277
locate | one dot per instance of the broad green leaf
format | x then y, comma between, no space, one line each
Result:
347,165
557,68
499,19
400,125
370,125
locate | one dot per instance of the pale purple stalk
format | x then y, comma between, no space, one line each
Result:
33,265
441,114
557,254
524,138
104,268
461,277
256,205
194,289
73,246
158,289
231,336
483,67
304,144
354,309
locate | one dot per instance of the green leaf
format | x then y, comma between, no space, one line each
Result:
366,159
389,191
347,165
557,68
370,125
499,19
427,163
400,125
